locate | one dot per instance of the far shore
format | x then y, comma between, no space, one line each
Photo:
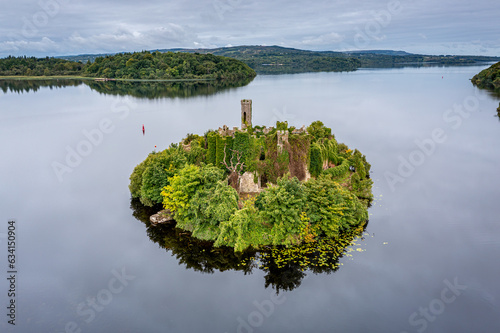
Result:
60,77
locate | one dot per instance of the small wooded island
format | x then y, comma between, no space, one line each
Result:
256,186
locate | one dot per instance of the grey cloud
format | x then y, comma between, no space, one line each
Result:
51,27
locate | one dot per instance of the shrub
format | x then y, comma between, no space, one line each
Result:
149,177
331,207
339,170
281,206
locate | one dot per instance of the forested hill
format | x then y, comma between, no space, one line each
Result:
139,65
282,60
210,63
488,78
278,60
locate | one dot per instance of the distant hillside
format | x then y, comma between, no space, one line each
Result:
488,78
383,52
281,60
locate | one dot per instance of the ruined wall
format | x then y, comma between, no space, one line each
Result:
247,185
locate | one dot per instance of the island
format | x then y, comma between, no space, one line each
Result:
131,66
258,187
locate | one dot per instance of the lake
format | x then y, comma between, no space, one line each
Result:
427,261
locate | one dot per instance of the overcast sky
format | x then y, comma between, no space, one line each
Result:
64,27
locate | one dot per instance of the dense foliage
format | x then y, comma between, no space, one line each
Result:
138,65
191,180
170,65
16,66
488,78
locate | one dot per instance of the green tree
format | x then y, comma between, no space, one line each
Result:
319,131
199,199
281,206
149,177
332,208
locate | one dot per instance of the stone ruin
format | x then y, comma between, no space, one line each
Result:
246,121
246,183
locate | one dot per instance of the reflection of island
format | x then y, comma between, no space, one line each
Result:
285,267
139,89
164,89
25,86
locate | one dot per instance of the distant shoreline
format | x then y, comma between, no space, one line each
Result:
62,77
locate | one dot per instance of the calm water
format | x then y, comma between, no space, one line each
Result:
428,261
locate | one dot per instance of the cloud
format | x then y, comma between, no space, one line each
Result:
44,45
130,38
101,26
322,40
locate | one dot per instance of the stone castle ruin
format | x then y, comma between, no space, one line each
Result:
246,121
246,113
253,182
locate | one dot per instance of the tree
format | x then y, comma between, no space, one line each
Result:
319,131
331,207
200,199
149,177
281,206
235,168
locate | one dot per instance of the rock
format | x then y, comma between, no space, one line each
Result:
164,216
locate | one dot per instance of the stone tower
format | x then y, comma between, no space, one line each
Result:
246,113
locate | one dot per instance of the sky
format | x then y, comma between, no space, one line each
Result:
70,27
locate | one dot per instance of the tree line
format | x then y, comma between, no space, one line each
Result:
138,65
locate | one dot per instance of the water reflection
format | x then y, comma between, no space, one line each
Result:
285,268
144,89
153,90
26,86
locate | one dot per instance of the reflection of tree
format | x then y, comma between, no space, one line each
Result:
284,278
284,266
139,89
162,89
22,86
196,254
